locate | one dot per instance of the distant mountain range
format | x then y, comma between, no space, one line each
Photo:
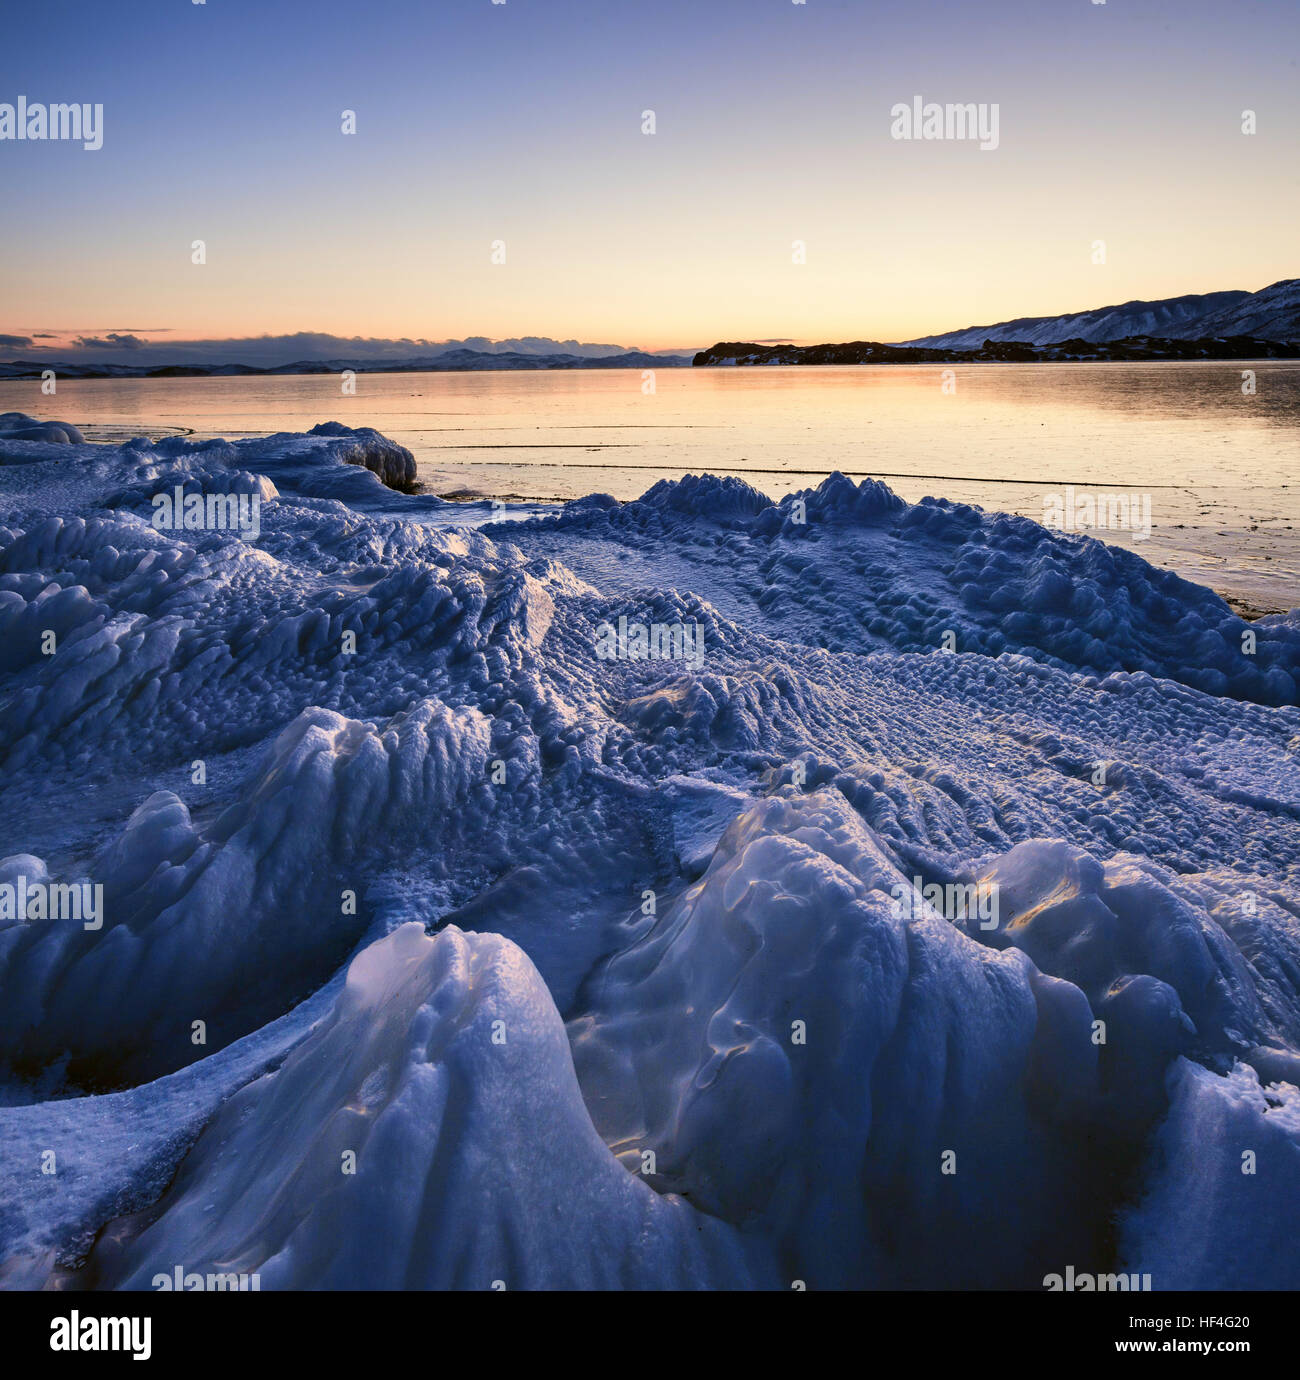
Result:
1213,325
450,361
1273,313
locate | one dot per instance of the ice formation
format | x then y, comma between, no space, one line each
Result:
438,950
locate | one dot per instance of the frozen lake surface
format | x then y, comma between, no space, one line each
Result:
1219,467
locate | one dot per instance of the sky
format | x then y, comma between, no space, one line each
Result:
521,124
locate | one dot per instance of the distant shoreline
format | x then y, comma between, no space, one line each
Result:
1132,350
454,362
997,352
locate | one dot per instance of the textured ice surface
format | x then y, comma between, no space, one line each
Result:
615,972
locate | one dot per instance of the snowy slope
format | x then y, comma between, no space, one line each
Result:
1273,313
520,966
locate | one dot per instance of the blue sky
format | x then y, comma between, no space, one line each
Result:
521,123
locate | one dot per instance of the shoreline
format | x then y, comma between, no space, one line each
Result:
996,353
1224,515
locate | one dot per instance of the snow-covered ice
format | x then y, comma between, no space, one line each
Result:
439,949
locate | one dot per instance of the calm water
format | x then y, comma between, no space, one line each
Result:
1222,469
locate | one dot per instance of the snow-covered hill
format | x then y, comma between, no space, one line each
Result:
1270,314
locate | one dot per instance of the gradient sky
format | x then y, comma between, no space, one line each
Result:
522,122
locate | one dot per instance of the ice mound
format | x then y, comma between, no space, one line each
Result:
1097,924
934,576
18,426
857,1047
363,739
719,497
394,464
428,1134
836,500
141,495
169,630
1219,1207
220,925
800,1061
1201,965
353,465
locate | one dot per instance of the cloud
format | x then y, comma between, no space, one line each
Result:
15,341
268,351
114,340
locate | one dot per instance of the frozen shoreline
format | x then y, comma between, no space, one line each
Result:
1211,459
671,1026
